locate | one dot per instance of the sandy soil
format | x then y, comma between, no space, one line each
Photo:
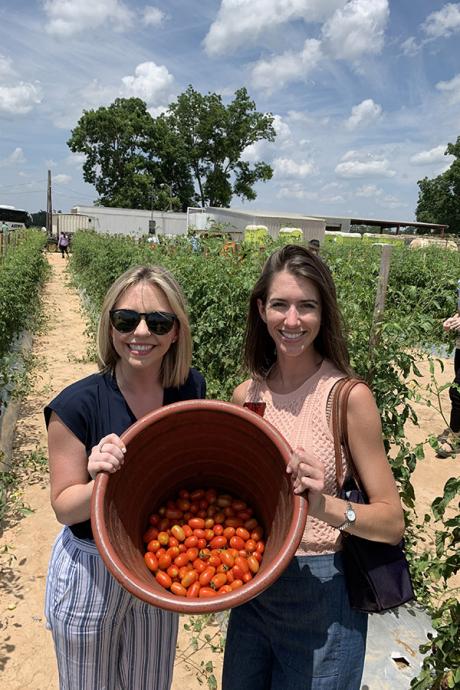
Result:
26,652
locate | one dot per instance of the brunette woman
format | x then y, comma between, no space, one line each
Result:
301,633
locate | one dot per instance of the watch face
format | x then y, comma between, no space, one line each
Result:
351,516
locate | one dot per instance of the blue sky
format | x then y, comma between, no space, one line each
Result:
365,93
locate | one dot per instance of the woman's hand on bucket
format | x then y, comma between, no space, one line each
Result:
107,456
307,473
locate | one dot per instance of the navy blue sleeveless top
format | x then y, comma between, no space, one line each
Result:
94,407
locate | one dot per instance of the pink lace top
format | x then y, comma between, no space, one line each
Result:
302,418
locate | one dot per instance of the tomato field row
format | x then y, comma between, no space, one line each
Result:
22,273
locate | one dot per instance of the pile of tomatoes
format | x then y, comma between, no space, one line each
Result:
203,543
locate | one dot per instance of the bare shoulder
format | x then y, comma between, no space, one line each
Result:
240,392
361,402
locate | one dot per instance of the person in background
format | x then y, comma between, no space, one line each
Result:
301,633
449,440
63,244
314,246
104,637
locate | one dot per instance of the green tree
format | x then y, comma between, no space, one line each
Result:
191,154
439,197
116,142
214,137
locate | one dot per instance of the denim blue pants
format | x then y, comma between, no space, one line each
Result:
300,634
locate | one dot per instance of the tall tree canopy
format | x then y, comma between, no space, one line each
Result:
439,198
187,156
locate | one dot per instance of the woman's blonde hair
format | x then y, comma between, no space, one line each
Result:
176,362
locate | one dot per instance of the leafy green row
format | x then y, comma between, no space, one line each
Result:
21,276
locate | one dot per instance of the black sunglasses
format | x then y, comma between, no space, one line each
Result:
127,320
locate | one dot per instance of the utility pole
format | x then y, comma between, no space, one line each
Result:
49,208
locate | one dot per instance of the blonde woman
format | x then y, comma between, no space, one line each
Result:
104,637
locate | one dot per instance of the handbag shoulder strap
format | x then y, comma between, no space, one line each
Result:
342,391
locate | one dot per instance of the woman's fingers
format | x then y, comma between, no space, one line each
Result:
107,455
111,439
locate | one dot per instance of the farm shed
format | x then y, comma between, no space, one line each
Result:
236,220
337,223
134,222
70,222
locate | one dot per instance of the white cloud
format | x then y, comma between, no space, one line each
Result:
451,88
241,22
435,155
357,29
363,114
283,131
153,16
150,82
355,164
271,75
20,99
286,167
15,158
6,68
443,23
296,191
410,47
369,190
61,179
390,201
67,17
75,159
259,150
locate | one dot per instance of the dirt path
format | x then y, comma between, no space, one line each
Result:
26,652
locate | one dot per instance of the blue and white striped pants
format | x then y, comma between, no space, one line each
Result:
105,638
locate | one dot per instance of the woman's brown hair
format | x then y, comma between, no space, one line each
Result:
259,351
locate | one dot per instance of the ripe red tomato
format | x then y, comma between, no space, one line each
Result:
163,579
193,590
196,523
227,559
178,533
163,538
237,543
218,580
207,575
243,533
253,564
178,589
181,560
151,561
218,542
153,545
189,578
164,561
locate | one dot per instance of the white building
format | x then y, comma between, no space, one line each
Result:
134,222
234,221
138,223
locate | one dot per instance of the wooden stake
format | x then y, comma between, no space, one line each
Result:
379,306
